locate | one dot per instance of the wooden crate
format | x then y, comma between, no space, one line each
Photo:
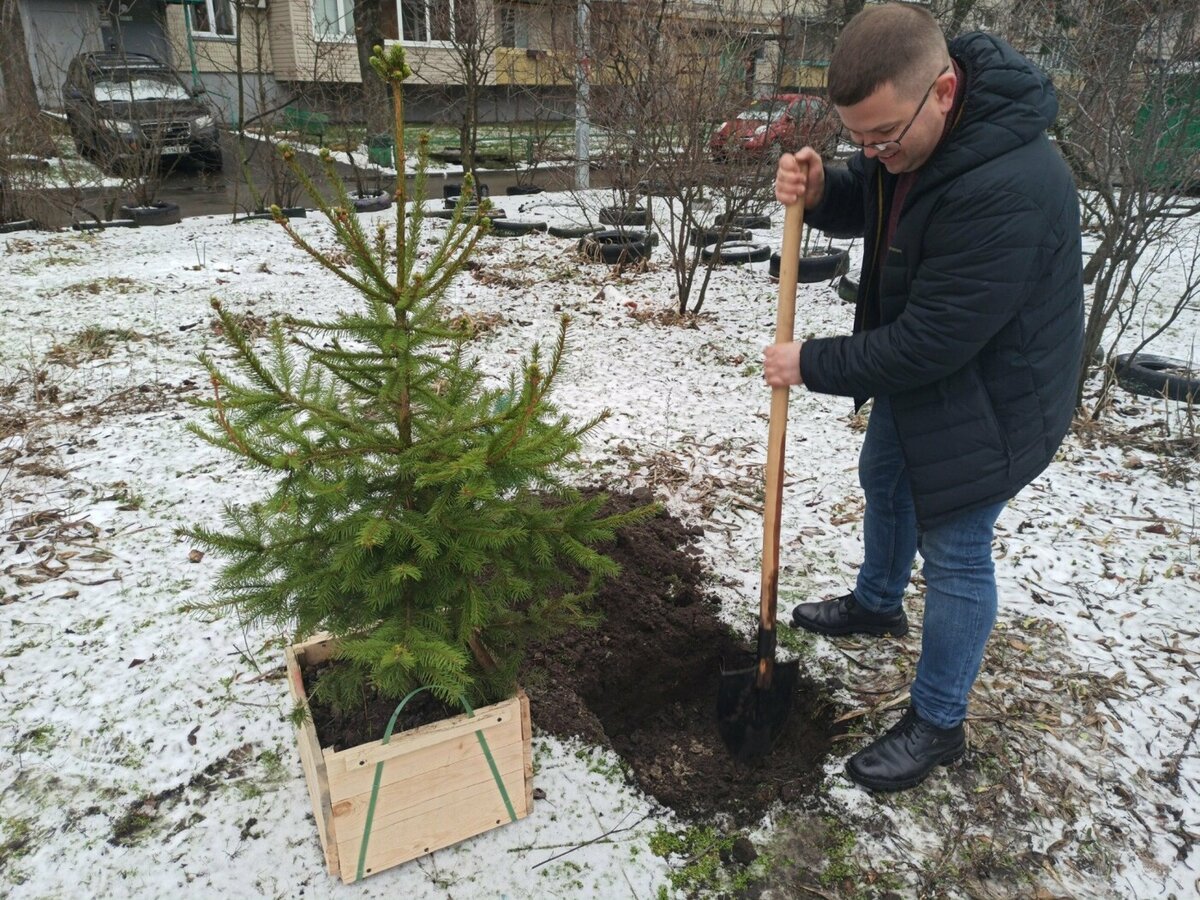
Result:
436,788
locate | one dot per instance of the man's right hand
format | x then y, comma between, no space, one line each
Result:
801,175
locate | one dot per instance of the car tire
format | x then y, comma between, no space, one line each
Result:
847,289
17,225
703,237
737,253
572,231
468,212
825,267
616,246
519,190
516,227
371,201
156,214
618,217
752,223
1158,376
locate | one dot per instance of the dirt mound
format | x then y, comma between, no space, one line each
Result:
645,683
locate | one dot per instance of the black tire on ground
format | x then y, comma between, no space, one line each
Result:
825,267
703,237
515,227
17,225
371,201
758,223
160,213
290,212
736,254
469,211
93,225
451,192
847,289
614,215
1158,376
572,231
616,246
515,190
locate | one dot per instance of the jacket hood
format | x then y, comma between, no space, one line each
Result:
1009,102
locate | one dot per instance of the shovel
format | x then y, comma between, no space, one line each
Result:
753,704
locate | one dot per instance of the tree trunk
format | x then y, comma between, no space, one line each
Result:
368,33
18,103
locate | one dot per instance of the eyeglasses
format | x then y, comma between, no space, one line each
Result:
890,147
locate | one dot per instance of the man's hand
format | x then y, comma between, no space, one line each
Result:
781,365
800,175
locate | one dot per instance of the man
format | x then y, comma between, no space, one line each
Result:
967,335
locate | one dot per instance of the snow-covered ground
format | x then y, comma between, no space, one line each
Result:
145,752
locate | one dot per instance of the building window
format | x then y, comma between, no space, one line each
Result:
514,26
333,18
213,17
422,21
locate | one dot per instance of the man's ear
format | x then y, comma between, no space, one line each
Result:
947,84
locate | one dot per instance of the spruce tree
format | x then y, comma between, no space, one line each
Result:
417,514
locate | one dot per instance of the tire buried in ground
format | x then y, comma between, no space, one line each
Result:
616,216
704,237
753,222
823,267
371,201
1157,376
572,231
736,253
847,289
616,246
516,227
161,213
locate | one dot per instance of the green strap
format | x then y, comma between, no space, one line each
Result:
487,752
387,736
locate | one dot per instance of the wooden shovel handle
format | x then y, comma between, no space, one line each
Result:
789,264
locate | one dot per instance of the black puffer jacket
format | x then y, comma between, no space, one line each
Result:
980,298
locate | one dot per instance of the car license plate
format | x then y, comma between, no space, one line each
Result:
174,148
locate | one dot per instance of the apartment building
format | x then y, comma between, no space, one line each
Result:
253,55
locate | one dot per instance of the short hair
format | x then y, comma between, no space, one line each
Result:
893,43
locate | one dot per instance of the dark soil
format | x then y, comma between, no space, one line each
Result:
644,683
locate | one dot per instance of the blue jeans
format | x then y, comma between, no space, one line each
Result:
960,578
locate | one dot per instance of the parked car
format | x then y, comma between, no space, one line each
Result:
126,107
781,123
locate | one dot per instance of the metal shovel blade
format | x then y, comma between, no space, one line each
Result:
749,718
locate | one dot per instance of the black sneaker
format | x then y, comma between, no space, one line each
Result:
845,616
905,756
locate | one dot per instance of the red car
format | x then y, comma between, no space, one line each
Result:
782,123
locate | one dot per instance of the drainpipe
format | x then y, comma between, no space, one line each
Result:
187,30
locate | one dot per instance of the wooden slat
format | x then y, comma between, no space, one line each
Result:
527,740
313,765
454,819
316,650
489,718
416,794
421,760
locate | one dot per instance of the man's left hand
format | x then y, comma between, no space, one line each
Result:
781,365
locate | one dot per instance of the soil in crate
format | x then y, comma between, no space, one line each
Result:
644,683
